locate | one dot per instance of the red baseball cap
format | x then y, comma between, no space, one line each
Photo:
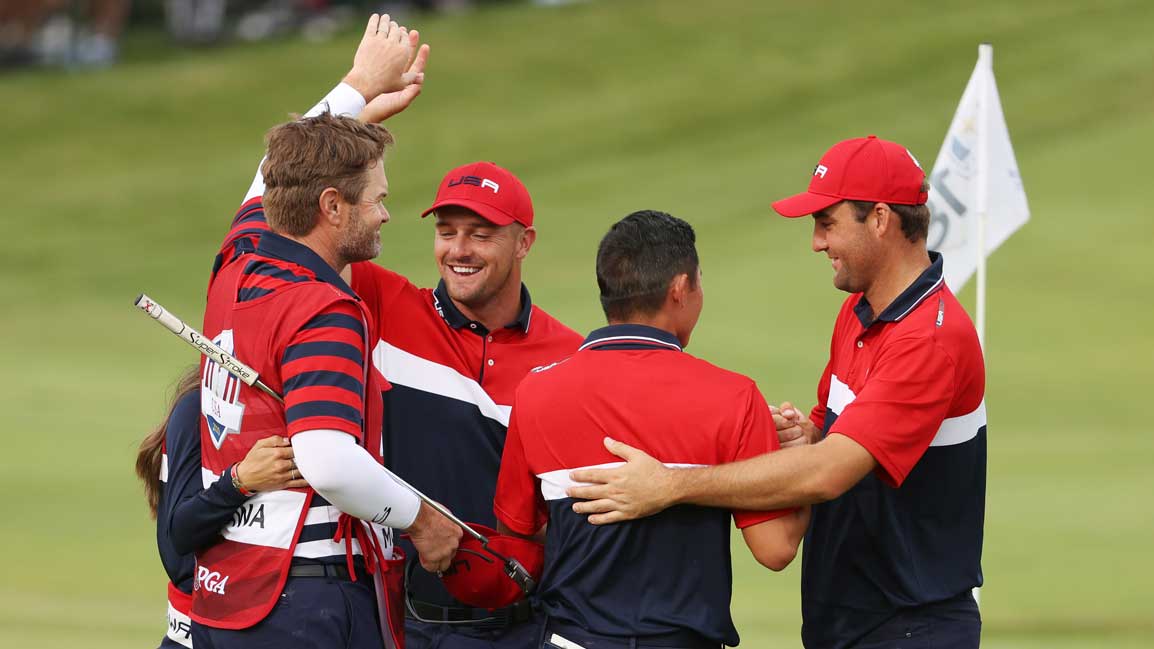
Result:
861,169
478,579
491,191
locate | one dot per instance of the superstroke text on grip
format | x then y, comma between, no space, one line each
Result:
200,342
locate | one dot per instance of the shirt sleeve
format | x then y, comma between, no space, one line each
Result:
518,502
323,370
380,288
902,405
348,477
758,435
188,516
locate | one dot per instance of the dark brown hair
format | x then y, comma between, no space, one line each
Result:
915,219
148,458
307,156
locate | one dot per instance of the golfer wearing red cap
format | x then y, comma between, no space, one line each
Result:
897,467
454,356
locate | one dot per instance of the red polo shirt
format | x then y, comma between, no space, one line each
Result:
909,386
911,378
666,573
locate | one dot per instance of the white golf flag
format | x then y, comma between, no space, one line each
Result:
975,173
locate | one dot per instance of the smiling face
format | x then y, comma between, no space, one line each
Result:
848,244
480,262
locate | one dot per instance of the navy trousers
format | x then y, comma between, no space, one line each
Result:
957,626
313,613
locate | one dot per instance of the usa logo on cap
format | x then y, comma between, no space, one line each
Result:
493,192
861,169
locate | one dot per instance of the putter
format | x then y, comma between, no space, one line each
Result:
513,568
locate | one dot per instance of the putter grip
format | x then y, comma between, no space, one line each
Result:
161,315
197,340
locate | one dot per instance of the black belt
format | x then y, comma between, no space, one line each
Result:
329,570
476,618
684,639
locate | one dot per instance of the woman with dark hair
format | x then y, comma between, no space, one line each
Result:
188,515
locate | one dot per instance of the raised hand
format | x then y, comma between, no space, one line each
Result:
383,58
387,104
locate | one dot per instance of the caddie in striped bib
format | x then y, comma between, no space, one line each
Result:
310,566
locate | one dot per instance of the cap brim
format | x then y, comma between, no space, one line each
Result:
487,212
803,204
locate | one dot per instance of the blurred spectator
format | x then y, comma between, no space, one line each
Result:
20,27
97,46
442,5
86,33
195,22
60,32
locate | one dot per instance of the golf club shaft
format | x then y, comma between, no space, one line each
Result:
245,373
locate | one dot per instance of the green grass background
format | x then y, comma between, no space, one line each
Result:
123,181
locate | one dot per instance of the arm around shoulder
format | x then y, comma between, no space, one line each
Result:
791,477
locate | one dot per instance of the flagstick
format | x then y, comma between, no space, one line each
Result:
986,61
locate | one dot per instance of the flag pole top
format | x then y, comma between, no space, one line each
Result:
985,52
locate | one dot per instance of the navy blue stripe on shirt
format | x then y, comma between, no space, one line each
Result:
325,378
323,348
247,213
260,267
336,320
249,294
317,532
322,409
627,346
247,232
242,246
